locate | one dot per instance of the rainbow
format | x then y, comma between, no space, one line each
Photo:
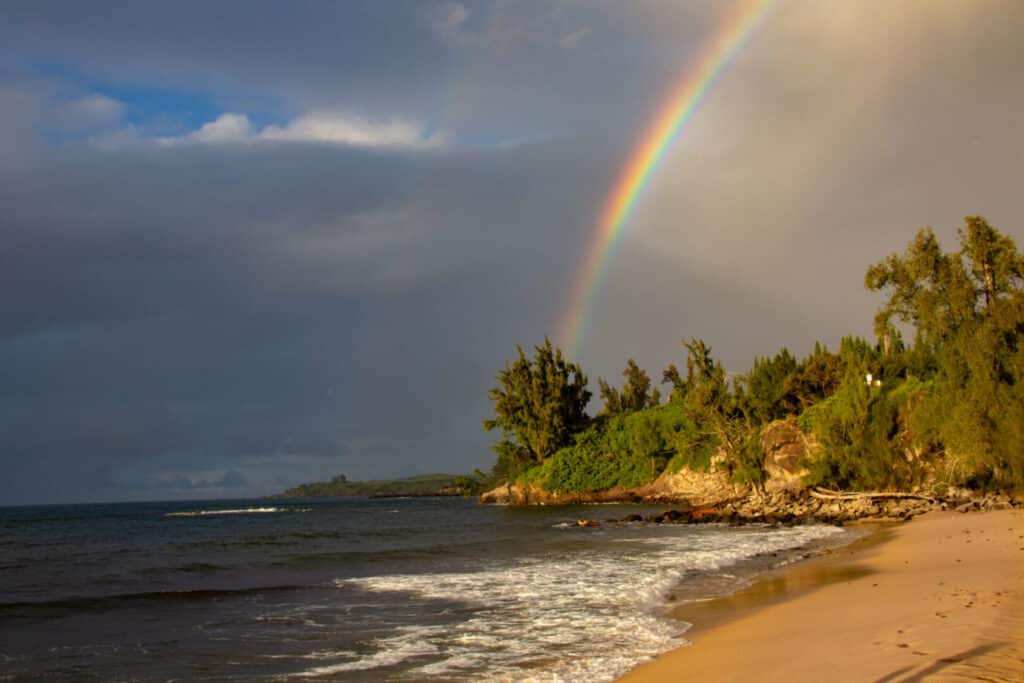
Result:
672,118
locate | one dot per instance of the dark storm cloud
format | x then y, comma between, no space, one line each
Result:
189,316
289,311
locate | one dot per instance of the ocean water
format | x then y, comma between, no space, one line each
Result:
357,590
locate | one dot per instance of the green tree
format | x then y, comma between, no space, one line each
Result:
967,308
610,396
636,392
816,377
863,432
538,404
992,259
718,414
928,289
767,388
672,377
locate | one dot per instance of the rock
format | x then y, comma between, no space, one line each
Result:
695,487
587,522
516,494
500,495
707,514
785,445
673,515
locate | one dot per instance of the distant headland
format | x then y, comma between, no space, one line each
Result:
423,485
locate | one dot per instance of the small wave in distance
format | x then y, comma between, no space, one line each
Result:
238,511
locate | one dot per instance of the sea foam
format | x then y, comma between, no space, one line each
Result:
235,511
585,616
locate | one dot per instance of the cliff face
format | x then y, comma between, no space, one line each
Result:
784,446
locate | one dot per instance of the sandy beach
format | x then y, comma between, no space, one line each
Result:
938,598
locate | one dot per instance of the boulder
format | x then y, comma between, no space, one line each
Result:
785,446
695,487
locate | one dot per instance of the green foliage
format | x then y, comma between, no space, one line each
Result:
636,392
475,483
610,396
746,464
424,484
768,394
538,405
992,260
864,433
968,309
817,377
512,460
618,450
977,409
671,376
927,288
951,402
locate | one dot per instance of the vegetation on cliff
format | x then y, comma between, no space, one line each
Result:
420,485
945,409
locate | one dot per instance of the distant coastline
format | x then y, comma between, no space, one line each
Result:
420,486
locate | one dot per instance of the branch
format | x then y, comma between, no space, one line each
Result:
825,494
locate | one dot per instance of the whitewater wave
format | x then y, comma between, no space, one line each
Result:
590,616
234,511
411,642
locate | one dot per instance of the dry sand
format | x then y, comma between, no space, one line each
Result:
940,598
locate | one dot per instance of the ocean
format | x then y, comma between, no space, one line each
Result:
419,589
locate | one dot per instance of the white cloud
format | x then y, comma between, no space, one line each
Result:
226,128
319,127
313,127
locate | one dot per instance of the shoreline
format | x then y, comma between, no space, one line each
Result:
941,596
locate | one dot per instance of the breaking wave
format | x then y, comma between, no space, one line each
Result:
235,511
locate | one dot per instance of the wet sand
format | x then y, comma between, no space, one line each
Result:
939,598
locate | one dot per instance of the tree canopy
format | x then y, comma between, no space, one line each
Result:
538,404
946,407
636,393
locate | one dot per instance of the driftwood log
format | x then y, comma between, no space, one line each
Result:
825,494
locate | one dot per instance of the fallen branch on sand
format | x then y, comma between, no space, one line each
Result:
825,494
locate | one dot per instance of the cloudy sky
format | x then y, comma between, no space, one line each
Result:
245,245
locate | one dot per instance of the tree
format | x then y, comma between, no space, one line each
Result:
992,260
938,292
718,414
538,404
671,376
816,377
967,308
767,390
610,396
636,393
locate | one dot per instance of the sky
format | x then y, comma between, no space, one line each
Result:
248,244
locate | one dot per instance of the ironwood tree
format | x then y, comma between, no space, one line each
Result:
539,404
636,393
